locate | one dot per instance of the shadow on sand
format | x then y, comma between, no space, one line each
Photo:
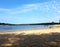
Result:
20,40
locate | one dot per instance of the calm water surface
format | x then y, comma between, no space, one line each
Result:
4,28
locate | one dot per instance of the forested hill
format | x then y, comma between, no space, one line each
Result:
30,24
6,24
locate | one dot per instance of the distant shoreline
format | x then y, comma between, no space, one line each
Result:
57,27
32,31
24,29
52,23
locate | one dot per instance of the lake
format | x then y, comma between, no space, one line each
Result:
5,28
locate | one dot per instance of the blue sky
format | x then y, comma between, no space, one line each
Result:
29,11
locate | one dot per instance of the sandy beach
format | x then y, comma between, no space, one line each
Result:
33,31
48,37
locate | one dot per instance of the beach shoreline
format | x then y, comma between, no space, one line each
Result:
32,31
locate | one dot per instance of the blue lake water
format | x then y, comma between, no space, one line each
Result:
4,28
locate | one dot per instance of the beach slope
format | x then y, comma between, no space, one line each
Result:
49,37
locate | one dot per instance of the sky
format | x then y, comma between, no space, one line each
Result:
29,11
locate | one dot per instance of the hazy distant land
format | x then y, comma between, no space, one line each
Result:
30,24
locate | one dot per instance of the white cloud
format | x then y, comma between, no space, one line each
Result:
52,10
45,7
3,9
58,11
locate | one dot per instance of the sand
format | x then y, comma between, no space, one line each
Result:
34,31
48,37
